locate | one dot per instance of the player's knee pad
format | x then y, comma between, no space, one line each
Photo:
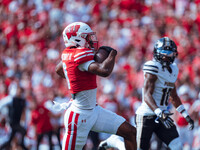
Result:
175,144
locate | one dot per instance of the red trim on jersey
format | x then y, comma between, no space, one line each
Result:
69,130
83,55
75,132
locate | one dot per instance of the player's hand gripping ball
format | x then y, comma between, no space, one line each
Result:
102,53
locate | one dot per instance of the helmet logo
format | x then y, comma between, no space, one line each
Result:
71,31
159,44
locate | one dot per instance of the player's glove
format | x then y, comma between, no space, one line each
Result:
185,114
107,48
163,117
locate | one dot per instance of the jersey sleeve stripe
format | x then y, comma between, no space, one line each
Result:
83,53
91,54
83,56
149,70
151,66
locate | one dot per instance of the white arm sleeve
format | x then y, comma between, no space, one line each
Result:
84,66
5,101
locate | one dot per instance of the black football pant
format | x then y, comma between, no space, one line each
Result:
146,126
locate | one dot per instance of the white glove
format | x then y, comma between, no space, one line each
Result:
61,106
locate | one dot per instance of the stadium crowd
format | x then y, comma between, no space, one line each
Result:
31,44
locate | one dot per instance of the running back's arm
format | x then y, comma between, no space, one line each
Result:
105,68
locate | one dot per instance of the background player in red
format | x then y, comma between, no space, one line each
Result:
80,69
40,117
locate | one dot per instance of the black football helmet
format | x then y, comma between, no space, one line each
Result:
165,48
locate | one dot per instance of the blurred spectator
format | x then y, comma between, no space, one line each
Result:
41,119
182,125
195,110
16,106
4,130
56,118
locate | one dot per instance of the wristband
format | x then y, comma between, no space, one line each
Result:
158,112
185,114
181,109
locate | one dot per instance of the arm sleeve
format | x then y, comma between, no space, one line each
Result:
83,55
84,66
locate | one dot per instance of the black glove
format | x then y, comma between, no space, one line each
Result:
185,114
107,48
191,122
165,119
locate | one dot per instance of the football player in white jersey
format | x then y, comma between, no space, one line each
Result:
160,75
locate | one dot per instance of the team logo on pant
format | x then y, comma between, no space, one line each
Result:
83,121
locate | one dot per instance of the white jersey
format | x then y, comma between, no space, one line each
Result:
163,86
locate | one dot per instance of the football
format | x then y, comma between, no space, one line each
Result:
101,55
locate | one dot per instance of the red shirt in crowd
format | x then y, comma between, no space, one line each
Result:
41,118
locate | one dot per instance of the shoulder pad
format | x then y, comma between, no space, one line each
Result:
175,66
83,55
151,67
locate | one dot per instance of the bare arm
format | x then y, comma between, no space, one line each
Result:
180,108
59,70
175,98
105,68
149,85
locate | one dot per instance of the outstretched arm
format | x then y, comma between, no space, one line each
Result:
180,108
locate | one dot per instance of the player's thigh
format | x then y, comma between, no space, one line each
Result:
145,128
107,121
167,135
77,125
